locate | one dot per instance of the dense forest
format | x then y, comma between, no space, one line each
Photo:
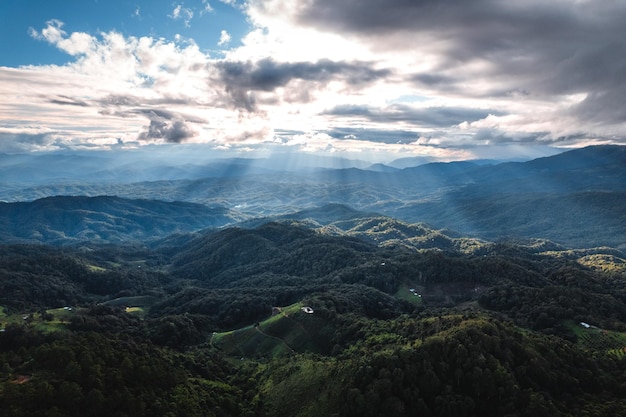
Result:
297,318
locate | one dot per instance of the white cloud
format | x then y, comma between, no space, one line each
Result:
469,85
52,33
207,7
77,44
182,13
107,91
224,38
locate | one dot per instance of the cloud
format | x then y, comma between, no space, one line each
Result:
207,7
11,142
51,33
107,92
166,126
67,101
483,49
224,38
242,79
119,100
77,44
602,107
417,116
388,136
182,13
371,76
267,74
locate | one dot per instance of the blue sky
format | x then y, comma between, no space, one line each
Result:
371,79
201,21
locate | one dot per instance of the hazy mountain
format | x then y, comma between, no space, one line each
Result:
151,164
382,168
316,216
62,220
408,162
575,198
583,219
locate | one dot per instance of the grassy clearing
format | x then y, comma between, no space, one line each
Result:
54,320
291,330
136,311
60,317
138,306
404,293
96,268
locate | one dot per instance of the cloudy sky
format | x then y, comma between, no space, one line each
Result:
370,79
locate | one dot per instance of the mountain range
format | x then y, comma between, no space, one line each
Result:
576,199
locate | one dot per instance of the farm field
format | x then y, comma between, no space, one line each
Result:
593,338
289,330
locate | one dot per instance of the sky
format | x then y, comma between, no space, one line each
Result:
375,80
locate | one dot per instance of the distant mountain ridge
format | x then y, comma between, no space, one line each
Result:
576,198
104,219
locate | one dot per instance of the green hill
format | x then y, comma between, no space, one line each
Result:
103,219
289,330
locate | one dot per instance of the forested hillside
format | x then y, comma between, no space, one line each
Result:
65,220
400,320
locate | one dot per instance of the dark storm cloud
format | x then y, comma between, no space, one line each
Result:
267,74
484,24
165,125
541,48
173,127
603,106
433,80
425,117
243,78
